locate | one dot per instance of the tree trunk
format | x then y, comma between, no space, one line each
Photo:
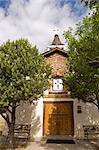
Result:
11,128
11,137
10,120
97,98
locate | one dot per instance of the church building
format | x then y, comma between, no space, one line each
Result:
56,112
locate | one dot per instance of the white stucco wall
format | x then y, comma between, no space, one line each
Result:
37,120
33,114
89,115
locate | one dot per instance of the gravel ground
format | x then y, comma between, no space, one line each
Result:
42,145
79,145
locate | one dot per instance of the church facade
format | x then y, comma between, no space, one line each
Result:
56,113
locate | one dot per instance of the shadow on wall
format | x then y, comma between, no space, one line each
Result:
23,113
26,114
89,116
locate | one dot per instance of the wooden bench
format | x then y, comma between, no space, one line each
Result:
22,130
90,130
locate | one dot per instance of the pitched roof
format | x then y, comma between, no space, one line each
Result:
56,40
55,50
55,47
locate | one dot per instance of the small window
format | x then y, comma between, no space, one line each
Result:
57,85
79,109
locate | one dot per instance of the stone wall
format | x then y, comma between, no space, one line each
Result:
58,63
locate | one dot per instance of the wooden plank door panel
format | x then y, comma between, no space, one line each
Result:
58,118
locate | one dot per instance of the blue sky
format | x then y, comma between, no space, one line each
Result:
74,4
4,3
77,7
38,19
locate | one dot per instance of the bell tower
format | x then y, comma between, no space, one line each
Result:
56,43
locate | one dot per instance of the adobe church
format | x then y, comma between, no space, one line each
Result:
56,113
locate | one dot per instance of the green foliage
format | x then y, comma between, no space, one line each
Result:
23,72
83,44
90,3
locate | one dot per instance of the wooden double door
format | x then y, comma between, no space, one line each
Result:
58,118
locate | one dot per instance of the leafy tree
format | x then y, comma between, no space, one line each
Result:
90,3
24,75
83,44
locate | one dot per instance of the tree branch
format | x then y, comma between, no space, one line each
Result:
15,105
95,103
6,118
9,110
